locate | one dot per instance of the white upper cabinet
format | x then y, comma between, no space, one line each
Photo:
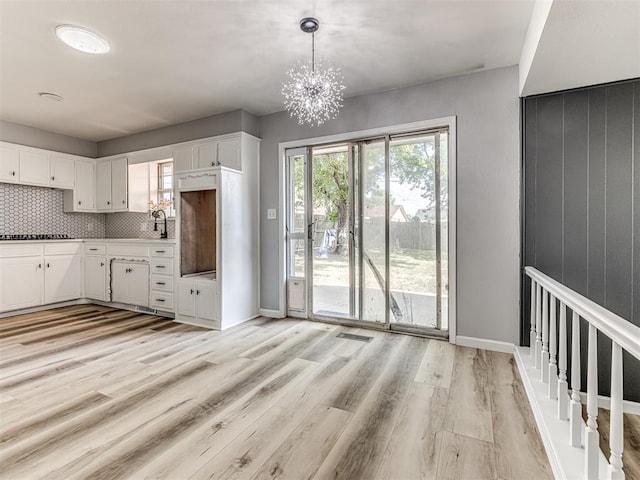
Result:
82,198
119,169
225,152
62,171
111,184
103,185
8,165
34,168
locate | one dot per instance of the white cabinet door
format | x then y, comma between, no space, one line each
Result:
95,278
182,159
21,281
119,167
206,301
84,192
103,185
8,165
34,168
229,153
119,282
139,284
206,155
186,298
62,278
63,171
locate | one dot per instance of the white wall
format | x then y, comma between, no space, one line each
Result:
488,186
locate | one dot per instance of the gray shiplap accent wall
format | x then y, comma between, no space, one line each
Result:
38,210
582,203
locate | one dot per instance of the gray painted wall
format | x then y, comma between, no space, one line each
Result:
582,207
230,122
34,137
486,106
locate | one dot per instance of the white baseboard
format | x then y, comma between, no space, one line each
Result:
265,312
567,462
484,344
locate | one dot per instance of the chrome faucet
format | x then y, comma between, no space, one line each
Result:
163,234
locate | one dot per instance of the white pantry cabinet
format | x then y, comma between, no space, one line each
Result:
198,300
9,172
225,151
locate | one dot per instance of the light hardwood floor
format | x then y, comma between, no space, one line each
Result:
94,392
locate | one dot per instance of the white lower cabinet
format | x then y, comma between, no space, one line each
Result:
62,278
130,282
34,274
95,278
198,299
21,282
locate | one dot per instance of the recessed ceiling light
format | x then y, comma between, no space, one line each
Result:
82,39
50,96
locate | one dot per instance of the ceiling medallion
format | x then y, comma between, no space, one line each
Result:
313,94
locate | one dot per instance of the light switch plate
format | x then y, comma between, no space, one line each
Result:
271,213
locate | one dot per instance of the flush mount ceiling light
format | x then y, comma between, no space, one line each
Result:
82,39
50,96
313,94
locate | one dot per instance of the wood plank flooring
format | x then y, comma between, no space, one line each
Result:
94,392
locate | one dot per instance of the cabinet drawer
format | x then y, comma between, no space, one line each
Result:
162,282
62,248
21,250
92,249
161,300
127,251
160,251
162,266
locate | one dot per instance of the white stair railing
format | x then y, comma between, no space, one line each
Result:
548,339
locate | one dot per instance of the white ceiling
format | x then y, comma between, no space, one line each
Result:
174,61
582,43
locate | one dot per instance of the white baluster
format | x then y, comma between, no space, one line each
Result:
616,432
563,389
591,436
538,325
575,408
544,372
532,332
553,366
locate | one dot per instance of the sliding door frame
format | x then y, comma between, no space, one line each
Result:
352,137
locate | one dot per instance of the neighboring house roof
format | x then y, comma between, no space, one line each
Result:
396,213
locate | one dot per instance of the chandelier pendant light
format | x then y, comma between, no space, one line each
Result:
313,94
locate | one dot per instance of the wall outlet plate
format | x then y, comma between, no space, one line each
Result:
271,213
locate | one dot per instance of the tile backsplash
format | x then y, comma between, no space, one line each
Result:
135,225
39,210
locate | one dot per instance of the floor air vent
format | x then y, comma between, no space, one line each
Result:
350,336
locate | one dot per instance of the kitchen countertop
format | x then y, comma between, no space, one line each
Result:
93,240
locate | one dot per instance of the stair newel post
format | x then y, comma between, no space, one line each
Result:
538,345
575,408
553,366
532,332
591,435
616,432
563,388
544,366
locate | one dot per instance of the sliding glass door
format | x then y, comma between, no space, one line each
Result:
367,231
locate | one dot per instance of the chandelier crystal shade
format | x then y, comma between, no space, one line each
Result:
313,93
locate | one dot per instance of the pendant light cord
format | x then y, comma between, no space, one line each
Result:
313,52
